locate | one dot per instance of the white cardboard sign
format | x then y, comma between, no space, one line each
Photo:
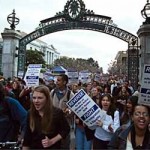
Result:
32,75
85,108
144,96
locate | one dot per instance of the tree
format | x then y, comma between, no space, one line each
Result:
79,64
35,57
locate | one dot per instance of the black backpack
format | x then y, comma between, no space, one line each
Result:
9,128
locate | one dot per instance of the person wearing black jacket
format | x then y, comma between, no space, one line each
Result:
46,124
135,136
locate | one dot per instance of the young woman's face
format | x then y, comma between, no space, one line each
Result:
123,89
88,88
94,92
105,90
105,103
15,85
39,101
75,87
141,117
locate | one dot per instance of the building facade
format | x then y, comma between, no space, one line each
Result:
51,53
122,62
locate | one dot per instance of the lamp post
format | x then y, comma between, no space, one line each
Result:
145,12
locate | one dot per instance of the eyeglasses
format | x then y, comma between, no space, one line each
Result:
144,114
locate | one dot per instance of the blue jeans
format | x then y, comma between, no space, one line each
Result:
81,141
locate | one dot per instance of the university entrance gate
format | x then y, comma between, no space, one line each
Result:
76,16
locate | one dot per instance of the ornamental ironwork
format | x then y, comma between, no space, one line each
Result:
76,16
74,9
145,12
13,20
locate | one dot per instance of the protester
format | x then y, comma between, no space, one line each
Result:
105,128
60,95
96,94
121,99
116,89
12,118
136,93
16,89
126,119
75,88
130,87
83,135
106,90
24,97
137,135
88,88
46,124
51,83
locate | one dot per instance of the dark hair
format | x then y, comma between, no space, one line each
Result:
133,100
64,77
126,115
41,81
147,107
112,107
2,92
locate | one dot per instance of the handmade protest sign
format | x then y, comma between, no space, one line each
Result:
32,75
85,108
144,96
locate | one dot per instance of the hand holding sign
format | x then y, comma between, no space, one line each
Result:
85,108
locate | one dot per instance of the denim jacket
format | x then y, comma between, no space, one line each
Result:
119,140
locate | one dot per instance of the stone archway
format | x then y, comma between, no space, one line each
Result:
76,16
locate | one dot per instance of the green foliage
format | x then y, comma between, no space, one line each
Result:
78,64
35,57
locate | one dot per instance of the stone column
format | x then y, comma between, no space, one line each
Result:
144,53
9,60
50,57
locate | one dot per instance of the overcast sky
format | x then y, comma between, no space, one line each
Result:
126,14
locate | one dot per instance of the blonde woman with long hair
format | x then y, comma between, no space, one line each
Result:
46,125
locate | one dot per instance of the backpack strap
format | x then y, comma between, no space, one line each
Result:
68,94
53,93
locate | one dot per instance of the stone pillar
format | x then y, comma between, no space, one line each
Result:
50,57
144,53
9,60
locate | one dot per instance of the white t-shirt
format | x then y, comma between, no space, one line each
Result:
129,145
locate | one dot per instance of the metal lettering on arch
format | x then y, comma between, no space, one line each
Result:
76,16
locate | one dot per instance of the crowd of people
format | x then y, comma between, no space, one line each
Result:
40,119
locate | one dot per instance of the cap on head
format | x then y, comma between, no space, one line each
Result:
51,79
